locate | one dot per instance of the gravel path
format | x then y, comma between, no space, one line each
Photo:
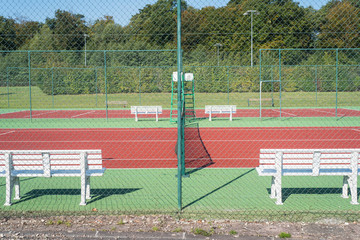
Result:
166,227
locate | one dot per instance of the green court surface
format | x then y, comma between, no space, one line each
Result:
165,123
206,191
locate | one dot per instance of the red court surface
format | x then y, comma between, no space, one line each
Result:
200,113
155,148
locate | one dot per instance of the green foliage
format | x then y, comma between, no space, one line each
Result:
233,232
280,24
199,231
284,235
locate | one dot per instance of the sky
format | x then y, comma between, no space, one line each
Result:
121,10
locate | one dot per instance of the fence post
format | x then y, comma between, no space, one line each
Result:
316,84
29,65
337,76
106,97
96,89
52,86
260,84
228,84
7,83
179,108
139,85
279,80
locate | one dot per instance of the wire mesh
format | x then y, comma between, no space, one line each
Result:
72,71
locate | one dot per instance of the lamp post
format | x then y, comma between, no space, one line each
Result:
85,36
251,13
218,45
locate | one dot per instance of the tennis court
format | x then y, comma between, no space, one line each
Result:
200,113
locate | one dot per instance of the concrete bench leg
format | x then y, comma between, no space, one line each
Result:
83,190
272,194
17,188
278,191
353,189
9,189
88,187
345,193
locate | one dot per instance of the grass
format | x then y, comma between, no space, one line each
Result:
230,193
18,98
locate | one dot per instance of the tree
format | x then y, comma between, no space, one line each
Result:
340,25
68,30
7,34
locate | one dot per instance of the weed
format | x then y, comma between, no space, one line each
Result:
155,228
199,231
121,222
233,232
284,235
51,222
177,230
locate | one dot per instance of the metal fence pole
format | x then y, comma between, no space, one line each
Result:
29,65
106,96
52,86
337,77
179,108
7,84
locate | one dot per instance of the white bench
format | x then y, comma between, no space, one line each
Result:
220,109
310,162
146,110
49,163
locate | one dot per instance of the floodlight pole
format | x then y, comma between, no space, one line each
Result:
85,36
252,12
218,45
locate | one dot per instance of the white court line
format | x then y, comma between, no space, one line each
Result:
39,114
357,130
7,132
82,114
317,110
282,111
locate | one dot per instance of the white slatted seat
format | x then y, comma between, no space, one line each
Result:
49,163
310,162
220,109
146,110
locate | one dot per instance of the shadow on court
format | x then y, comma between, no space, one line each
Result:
96,193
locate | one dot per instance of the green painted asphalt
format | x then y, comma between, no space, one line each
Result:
210,191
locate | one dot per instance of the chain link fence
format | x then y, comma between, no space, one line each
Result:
99,75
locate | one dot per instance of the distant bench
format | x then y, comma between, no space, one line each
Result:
49,163
310,162
262,100
121,103
220,109
146,110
